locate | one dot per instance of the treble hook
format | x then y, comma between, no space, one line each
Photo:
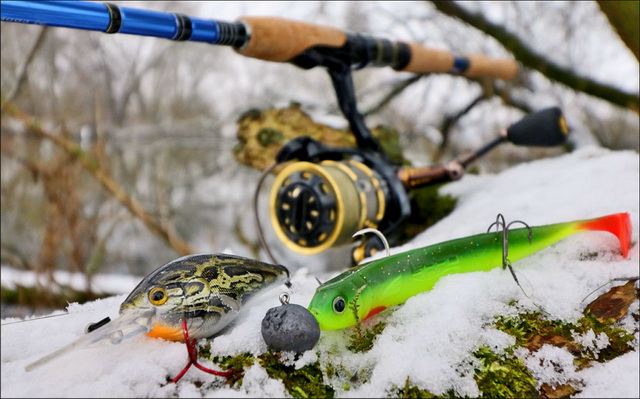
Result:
506,263
376,232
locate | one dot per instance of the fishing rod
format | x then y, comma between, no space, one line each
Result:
266,38
326,194
275,39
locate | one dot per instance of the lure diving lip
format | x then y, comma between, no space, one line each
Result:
367,289
126,326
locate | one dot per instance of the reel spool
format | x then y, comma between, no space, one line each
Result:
316,206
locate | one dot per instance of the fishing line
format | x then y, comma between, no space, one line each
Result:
530,296
259,230
609,282
34,319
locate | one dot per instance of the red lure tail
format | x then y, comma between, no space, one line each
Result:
618,224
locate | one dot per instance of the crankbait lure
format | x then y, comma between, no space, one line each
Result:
192,297
369,288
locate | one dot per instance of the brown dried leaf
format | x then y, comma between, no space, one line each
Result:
558,391
537,341
614,304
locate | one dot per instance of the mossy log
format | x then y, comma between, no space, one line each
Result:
261,134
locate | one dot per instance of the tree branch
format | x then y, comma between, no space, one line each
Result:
22,74
623,16
397,89
104,178
450,120
531,59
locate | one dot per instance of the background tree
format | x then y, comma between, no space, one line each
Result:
158,117
623,16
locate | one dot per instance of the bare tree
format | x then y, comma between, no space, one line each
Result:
624,16
159,119
529,58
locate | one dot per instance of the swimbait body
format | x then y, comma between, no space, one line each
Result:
207,291
372,287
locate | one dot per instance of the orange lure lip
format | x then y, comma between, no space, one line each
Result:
171,333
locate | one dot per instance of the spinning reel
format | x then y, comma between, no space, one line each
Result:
327,194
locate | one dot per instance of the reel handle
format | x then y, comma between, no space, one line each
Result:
419,177
545,128
282,40
430,60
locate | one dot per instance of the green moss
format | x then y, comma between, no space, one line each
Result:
497,376
532,330
506,376
503,376
428,206
619,339
251,114
361,340
411,391
431,206
305,382
389,139
525,326
268,136
350,379
236,363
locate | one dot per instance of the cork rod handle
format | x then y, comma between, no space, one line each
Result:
281,40
429,60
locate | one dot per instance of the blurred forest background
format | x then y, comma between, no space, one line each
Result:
118,150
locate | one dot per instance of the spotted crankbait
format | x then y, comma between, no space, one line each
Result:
369,288
192,297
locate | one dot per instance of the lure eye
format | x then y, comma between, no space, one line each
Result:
338,305
158,296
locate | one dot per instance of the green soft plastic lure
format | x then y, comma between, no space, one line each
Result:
372,287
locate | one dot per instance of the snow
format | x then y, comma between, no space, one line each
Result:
119,283
600,377
429,339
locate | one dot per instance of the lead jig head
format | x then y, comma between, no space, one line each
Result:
290,327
